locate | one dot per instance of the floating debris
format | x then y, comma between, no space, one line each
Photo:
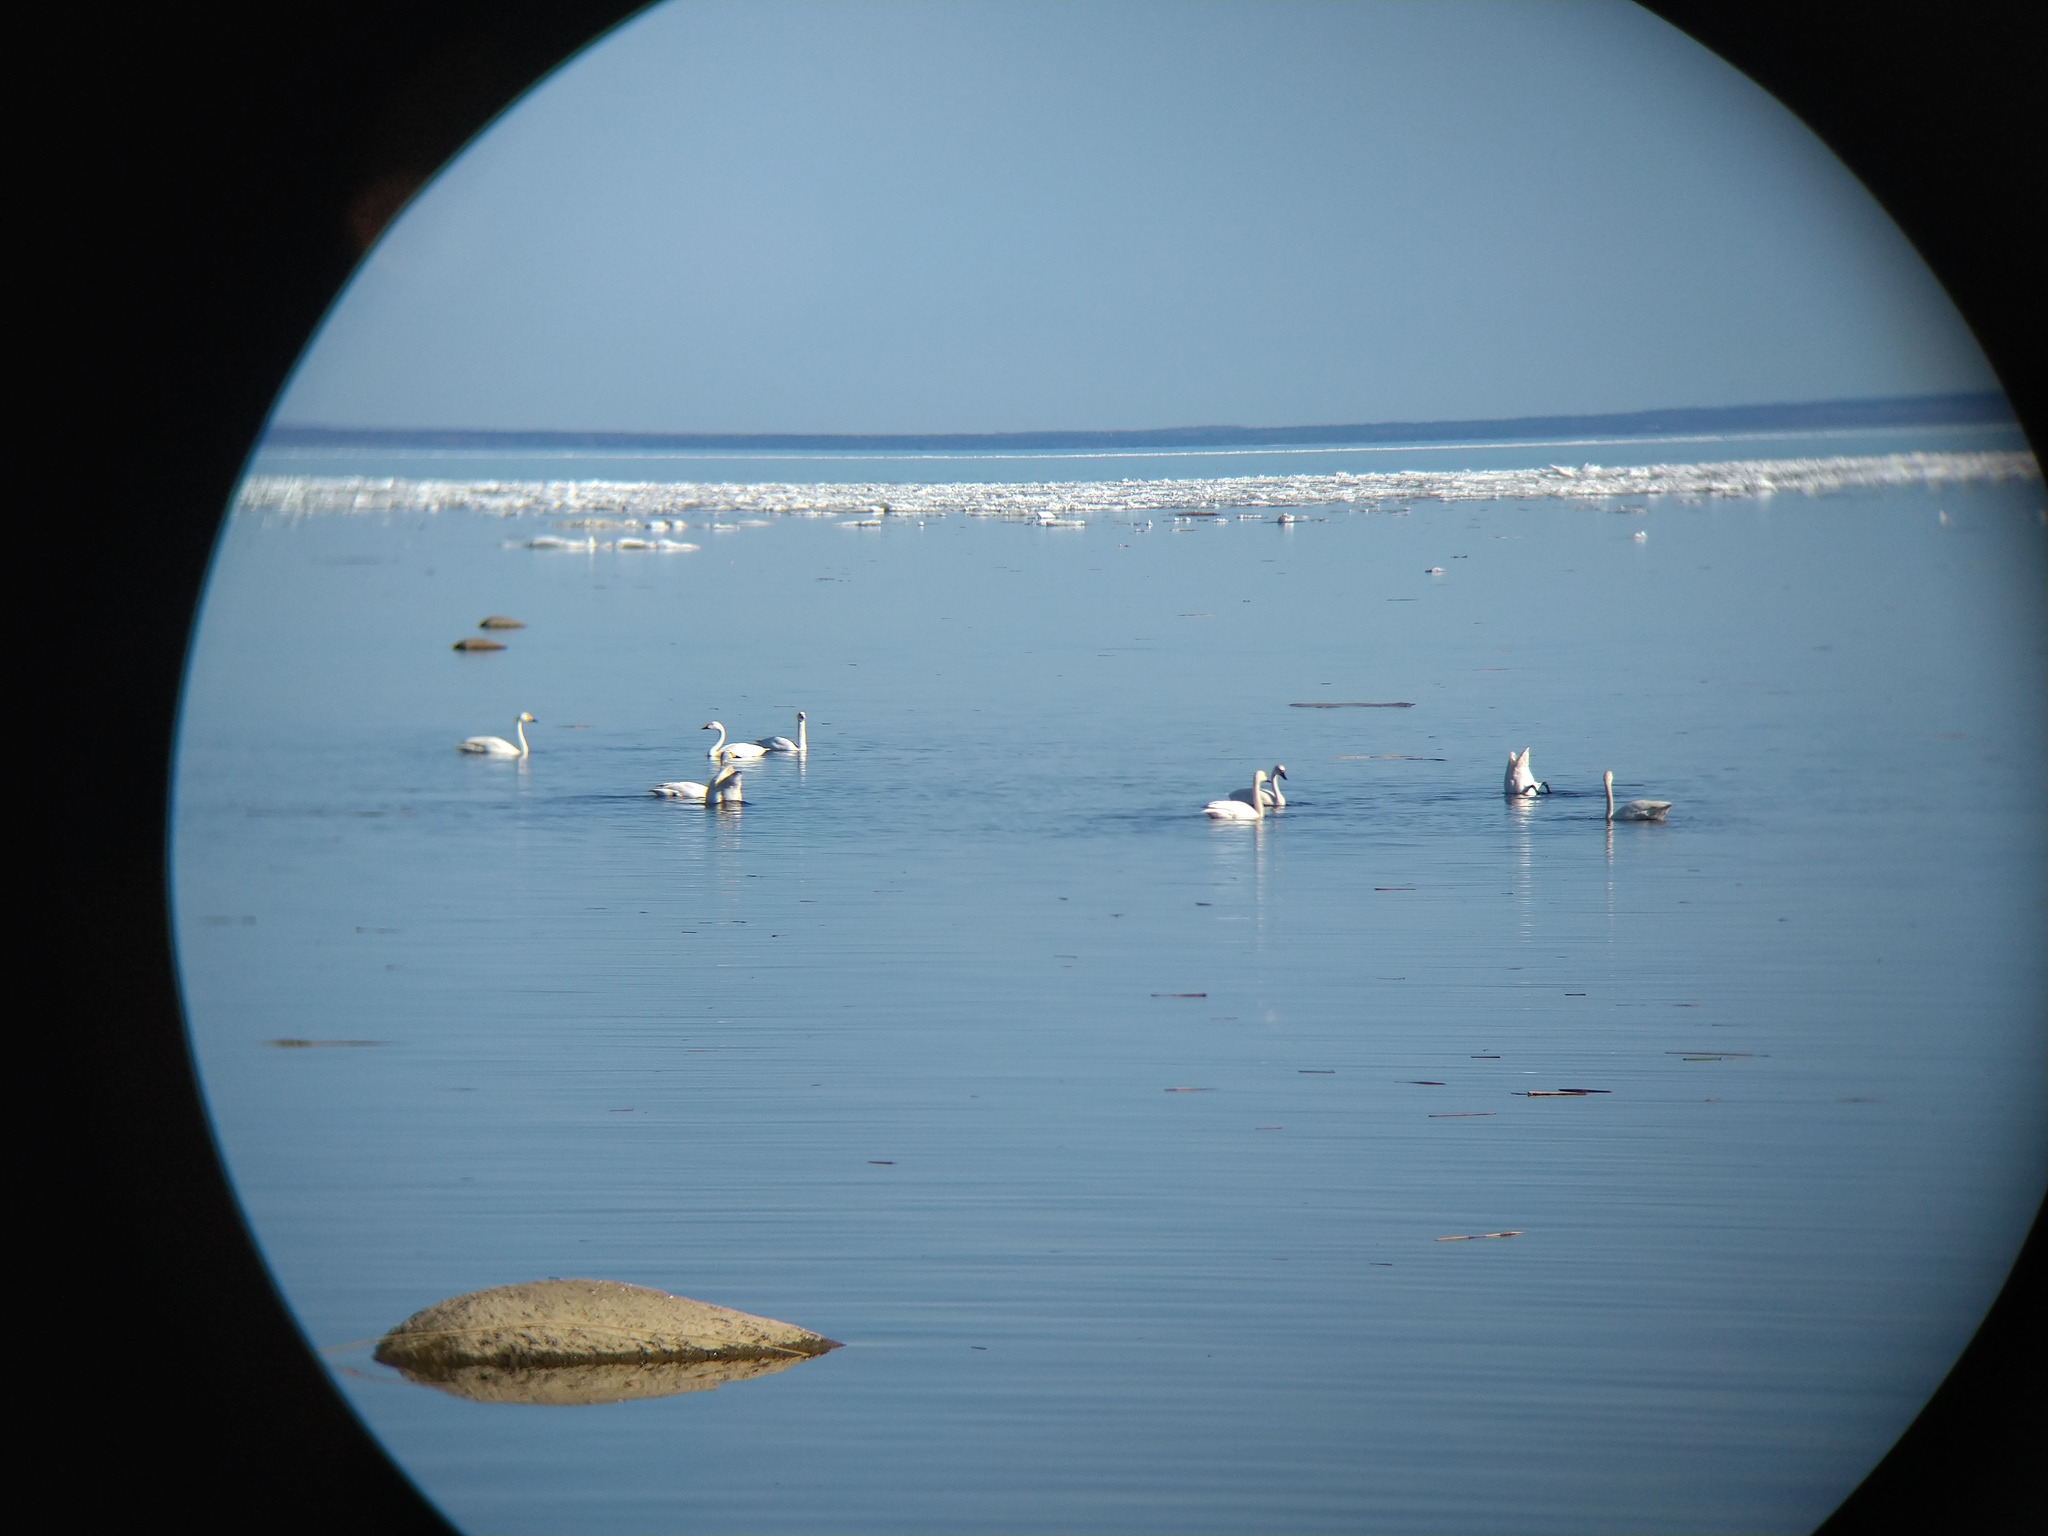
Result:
1393,887
1191,1090
1183,994
1461,1114
1560,1093
587,1341
1424,1082
1357,704
1316,1071
475,643
303,1045
1473,1237
881,1162
499,621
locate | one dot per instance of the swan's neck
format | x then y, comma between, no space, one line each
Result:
1258,783
521,724
803,737
1608,781
718,746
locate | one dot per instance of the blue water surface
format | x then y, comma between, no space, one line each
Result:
1117,1145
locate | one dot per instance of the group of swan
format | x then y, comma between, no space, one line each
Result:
1253,803
1520,783
724,788
723,751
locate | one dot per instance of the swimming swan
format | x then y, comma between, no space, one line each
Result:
1635,810
498,746
723,751
1519,781
1241,810
702,794
1269,798
782,744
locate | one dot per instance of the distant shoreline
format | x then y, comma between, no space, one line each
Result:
1978,407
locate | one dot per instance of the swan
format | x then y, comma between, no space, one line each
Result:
1241,810
782,744
681,789
1635,810
498,746
723,751
1268,798
1519,781
703,794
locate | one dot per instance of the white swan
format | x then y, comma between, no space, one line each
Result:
498,746
1240,810
782,744
681,789
723,751
1269,797
703,794
1519,781
1635,810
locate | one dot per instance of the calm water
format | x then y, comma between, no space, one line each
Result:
886,1054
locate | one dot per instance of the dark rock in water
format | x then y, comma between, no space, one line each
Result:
587,1341
499,621
479,645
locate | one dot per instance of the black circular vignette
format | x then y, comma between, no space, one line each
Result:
214,178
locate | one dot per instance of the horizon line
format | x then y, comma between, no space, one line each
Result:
1953,408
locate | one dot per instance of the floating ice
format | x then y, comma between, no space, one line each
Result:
590,503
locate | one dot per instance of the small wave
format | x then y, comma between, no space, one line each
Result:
1044,501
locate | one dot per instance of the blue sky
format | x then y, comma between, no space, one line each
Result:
884,217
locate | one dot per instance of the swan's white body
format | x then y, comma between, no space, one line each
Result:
1635,810
498,746
723,751
1240,810
1268,796
1519,781
724,787
801,747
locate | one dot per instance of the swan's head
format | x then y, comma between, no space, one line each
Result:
1279,770
801,716
526,719
1607,779
711,726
